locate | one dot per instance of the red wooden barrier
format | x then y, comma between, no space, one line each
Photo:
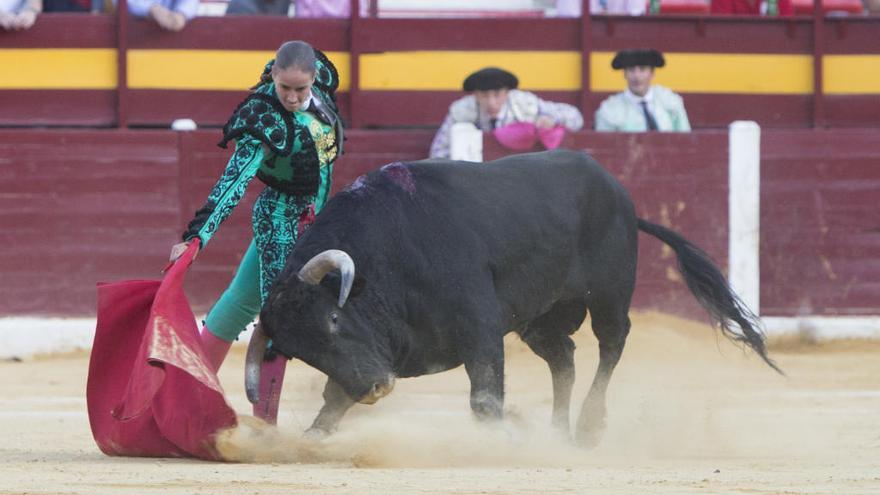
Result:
77,207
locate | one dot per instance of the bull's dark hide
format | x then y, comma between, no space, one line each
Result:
451,256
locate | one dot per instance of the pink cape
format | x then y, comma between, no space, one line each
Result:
150,392
523,136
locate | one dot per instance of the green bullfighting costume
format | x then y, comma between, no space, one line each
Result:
293,154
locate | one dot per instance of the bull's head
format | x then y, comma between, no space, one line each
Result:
306,317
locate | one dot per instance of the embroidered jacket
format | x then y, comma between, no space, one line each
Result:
291,152
521,106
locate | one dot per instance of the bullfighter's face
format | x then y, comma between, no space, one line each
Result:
292,86
304,321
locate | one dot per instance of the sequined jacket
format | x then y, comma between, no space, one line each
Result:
291,152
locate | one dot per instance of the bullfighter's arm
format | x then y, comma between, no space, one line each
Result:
228,191
563,113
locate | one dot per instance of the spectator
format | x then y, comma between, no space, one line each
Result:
642,106
258,7
71,6
572,8
171,15
302,8
495,102
19,14
328,8
753,7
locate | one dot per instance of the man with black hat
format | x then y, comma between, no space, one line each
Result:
643,106
495,102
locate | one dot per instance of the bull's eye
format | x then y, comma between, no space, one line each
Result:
334,318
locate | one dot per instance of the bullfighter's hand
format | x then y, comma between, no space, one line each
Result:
177,251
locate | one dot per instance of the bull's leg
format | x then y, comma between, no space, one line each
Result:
548,337
611,326
558,351
336,403
484,363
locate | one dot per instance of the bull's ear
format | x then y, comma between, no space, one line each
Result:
358,286
332,281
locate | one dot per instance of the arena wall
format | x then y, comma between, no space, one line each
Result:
79,207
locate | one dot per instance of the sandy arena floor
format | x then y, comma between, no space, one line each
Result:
688,413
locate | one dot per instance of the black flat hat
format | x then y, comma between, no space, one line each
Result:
634,58
490,78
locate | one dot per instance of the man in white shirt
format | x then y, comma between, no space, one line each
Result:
643,106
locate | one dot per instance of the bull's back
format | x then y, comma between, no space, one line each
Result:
521,217
548,195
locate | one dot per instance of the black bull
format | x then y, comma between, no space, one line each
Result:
450,257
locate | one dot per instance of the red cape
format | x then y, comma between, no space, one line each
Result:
150,391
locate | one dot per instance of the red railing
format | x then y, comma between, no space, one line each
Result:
814,36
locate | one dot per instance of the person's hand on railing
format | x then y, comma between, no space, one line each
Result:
167,18
20,21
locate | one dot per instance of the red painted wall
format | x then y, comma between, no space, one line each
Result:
820,222
77,207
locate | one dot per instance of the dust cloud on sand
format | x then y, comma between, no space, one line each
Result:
447,440
680,391
688,412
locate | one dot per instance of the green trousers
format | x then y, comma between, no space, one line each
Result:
240,302
276,219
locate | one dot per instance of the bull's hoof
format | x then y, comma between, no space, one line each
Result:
589,434
316,433
487,408
487,413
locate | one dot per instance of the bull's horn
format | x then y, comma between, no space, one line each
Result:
332,259
255,352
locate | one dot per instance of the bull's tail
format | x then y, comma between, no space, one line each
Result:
711,289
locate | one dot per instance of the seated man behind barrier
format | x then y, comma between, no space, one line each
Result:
643,106
495,102
19,14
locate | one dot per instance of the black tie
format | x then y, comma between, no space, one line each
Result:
652,124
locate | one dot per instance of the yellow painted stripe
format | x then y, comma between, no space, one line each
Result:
58,68
851,74
208,69
717,73
445,70
95,68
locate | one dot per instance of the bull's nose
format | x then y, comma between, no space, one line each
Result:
378,391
